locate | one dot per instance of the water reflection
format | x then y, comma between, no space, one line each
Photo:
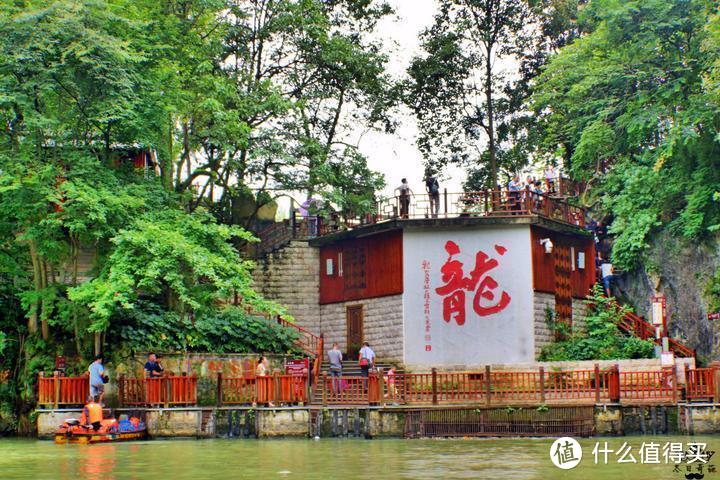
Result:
523,459
97,462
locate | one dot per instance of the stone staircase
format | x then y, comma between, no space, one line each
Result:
350,369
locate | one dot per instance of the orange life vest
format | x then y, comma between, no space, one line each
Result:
94,412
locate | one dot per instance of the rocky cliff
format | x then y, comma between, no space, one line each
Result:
682,272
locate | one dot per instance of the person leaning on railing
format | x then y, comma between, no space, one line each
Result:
153,369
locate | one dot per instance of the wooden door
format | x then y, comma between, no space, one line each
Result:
563,285
354,319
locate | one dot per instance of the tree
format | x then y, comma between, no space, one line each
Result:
456,88
631,104
96,86
291,73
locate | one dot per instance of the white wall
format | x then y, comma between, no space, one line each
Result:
503,337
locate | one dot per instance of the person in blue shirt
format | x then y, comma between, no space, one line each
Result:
97,382
153,368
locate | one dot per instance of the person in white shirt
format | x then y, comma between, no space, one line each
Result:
404,197
514,192
608,275
550,176
367,359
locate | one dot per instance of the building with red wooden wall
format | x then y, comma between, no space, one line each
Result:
448,292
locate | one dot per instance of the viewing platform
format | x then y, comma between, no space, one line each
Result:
496,206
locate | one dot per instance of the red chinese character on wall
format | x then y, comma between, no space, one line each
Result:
479,281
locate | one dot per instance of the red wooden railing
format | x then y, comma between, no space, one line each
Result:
163,391
350,390
700,384
307,341
641,328
465,204
648,386
536,387
236,391
568,387
540,386
58,391
277,389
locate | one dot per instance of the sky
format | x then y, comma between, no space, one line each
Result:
396,155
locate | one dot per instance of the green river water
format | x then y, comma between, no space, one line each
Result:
329,459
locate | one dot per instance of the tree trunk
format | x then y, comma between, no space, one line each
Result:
35,308
166,164
491,119
44,327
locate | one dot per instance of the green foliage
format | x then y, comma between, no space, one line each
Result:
633,104
712,293
230,330
602,339
186,259
84,87
469,87
558,328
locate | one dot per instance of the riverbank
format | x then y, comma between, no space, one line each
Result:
404,422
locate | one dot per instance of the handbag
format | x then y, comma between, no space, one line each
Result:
364,362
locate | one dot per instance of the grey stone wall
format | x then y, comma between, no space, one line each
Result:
681,271
382,325
579,314
543,334
291,277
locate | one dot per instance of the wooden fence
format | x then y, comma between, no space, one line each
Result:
351,390
163,391
700,384
499,388
489,388
59,391
276,389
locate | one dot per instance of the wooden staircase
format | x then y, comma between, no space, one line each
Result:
350,369
641,328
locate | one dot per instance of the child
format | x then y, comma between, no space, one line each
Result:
390,380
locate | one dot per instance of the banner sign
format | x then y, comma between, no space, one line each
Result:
297,368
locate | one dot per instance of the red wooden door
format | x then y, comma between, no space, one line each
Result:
354,318
563,285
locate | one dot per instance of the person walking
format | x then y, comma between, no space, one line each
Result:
433,189
608,276
336,358
97,379
367,359
404,197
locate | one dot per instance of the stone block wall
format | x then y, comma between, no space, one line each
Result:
291,277
543,334
579,313
382,325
